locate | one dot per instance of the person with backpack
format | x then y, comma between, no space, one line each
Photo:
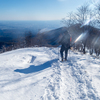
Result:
65,44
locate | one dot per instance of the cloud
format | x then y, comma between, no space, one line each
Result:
44,30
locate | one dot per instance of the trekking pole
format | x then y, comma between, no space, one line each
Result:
69,53
58,52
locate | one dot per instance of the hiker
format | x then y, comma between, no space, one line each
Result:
65,44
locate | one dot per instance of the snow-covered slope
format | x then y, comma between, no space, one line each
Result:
37,74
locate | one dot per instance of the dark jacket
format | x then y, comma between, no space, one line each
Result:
65,41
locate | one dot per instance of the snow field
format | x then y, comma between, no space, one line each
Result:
37,74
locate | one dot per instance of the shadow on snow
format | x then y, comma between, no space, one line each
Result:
33,68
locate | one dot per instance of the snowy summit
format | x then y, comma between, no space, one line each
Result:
37,74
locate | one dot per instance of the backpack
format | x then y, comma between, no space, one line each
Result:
65,40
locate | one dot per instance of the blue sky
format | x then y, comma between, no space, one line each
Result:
37,9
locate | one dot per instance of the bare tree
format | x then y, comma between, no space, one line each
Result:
28,39
82,13
98,13
69,20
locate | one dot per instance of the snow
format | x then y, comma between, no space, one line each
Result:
37,74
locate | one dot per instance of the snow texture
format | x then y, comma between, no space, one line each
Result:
37,74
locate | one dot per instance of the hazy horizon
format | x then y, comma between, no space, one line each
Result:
17,29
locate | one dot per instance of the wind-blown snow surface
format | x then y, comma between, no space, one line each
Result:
37,74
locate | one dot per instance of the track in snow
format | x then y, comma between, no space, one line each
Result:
69,81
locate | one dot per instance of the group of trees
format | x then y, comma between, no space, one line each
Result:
21,42
28,40
87,19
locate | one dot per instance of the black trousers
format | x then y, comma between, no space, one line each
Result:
64,49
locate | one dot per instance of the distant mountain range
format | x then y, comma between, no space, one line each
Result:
11,30
52,36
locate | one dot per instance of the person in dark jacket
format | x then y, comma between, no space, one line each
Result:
65,44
